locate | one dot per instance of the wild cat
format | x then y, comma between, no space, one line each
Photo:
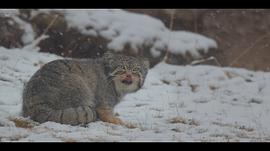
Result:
79,91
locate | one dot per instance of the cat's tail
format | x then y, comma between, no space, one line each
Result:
74,116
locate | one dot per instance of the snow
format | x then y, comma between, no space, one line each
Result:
16,67
182,42
124,28
176,103
8,12
29,33
33,46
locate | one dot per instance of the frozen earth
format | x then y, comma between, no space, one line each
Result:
176,103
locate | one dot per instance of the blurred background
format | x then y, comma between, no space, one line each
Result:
242,35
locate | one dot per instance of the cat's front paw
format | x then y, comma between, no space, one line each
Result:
130,125
120,122
115,120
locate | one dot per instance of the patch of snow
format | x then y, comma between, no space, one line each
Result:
16,67
182,42
124,28
29,34
33,46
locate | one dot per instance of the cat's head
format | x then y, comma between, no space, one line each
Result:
128,73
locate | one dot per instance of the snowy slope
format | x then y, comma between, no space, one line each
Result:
177,103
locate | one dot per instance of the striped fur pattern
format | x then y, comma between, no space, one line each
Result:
71,91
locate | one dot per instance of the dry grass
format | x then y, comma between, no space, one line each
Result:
246,51
182,120
213,88
24,123
171,27
230,75
240,127
194,87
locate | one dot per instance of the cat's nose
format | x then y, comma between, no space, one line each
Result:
127,79
128,76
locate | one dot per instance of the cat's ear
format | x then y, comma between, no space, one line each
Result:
108,55
146,62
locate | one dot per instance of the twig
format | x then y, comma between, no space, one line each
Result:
171,26
218,63
34,44
50,25
248,49
195,17
207,59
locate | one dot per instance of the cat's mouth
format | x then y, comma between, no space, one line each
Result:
127,79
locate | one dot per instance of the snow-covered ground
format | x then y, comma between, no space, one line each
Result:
177,103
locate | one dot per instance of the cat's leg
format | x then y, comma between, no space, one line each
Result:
105,114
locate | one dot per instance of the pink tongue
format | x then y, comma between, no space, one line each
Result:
127,80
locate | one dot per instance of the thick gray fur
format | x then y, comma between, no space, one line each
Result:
68,91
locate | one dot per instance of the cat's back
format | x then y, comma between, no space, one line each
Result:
60,85
77,91
65,72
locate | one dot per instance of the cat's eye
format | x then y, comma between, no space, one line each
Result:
122,68
135,69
